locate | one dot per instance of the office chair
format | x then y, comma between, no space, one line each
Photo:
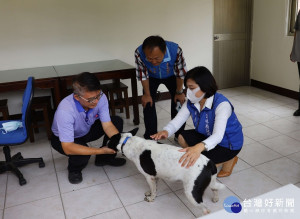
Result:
17,137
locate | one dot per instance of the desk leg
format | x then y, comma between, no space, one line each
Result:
56,91
136,118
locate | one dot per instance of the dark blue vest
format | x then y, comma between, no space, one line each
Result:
166,67
204,123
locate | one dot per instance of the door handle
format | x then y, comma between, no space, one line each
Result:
216,37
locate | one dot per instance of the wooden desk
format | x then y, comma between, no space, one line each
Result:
45,78
104,70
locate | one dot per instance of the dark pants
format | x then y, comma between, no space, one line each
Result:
150,117
218,155
78,162
298,63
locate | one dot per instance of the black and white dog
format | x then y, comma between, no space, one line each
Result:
155,161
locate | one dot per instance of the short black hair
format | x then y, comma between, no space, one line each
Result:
203,77
154,41
85,82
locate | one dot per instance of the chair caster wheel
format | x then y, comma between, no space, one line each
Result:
22,181
41,164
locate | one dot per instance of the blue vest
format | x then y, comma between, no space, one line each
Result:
166,67
204,123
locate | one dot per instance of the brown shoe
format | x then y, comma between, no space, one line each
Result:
227,167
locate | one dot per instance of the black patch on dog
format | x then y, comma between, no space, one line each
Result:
134,131
114,141
147,163
213,167
203,181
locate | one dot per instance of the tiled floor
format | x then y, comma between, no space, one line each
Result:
270,158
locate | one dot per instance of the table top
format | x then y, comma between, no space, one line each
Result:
23,74
290,193
62,70
92,67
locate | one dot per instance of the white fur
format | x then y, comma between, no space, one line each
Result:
165,158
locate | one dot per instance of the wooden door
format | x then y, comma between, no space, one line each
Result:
231,55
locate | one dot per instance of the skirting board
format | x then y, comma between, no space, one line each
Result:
274,89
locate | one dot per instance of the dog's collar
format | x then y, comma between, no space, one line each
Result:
124,142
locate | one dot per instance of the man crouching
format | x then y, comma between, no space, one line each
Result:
82,117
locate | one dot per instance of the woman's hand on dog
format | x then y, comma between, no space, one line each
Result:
191,156
160,135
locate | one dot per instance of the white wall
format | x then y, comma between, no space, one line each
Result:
42,33
271,46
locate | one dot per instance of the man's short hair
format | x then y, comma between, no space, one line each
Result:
85,82
154,41
203,77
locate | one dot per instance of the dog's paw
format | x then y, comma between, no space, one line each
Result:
206,211
148,193
149,199
215,199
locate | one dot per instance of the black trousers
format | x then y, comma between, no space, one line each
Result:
218,155
298,63
78,162
150,117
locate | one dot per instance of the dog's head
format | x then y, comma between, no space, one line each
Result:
114,141
118,139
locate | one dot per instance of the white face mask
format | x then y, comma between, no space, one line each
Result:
191,95
11,126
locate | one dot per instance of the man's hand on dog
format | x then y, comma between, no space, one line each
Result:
160,135
191,156
106,150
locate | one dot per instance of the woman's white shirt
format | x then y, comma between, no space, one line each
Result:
223,112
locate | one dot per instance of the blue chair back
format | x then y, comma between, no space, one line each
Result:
20,135
26,112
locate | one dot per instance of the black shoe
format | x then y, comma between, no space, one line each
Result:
297,112
115,162
75,177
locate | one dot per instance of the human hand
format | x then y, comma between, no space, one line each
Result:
106,150
180,98
191,156
146,99
160,135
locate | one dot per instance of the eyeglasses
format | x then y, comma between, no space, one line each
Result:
92,99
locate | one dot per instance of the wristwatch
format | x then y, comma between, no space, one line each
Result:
205,146
179,92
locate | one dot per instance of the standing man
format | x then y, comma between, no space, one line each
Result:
295,55
83,117
159,62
